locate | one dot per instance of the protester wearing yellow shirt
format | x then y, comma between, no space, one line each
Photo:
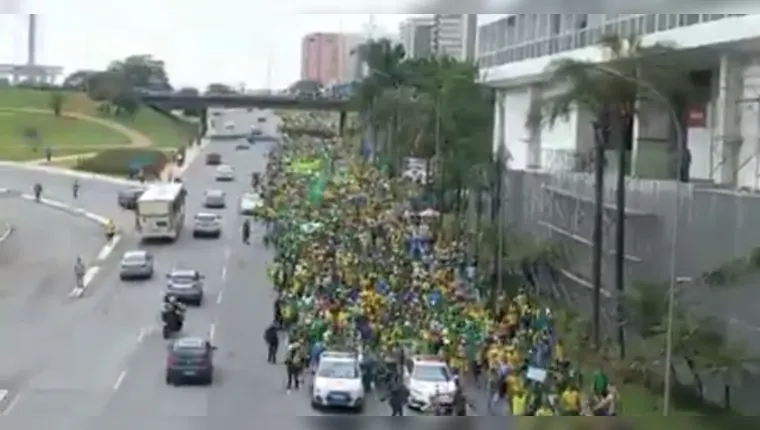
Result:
570,401
519,401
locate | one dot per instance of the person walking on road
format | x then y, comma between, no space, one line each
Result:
79,271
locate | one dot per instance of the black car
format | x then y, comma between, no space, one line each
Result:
213,159
190,359
127,199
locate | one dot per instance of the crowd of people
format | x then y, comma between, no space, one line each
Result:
360,266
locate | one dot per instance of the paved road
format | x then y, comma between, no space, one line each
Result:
36,269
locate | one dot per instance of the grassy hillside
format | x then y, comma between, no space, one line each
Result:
67,135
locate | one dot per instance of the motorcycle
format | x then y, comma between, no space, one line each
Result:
172,324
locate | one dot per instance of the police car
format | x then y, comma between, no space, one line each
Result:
337,382
428,376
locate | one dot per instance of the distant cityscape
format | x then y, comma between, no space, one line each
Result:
331,58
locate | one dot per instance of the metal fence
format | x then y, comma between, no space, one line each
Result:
714,225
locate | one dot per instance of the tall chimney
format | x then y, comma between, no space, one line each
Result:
31,58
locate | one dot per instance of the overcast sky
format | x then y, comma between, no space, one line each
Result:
227,41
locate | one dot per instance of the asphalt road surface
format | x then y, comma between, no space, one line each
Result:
36,275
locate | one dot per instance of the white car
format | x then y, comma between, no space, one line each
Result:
426,377
250,202
338,382
206,224
225,173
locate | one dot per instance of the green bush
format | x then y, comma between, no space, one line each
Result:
119,161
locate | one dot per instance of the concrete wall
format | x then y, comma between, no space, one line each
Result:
714,226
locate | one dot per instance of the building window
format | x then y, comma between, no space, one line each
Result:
520,33
582,21
672,20
555,24
662,22
650,24
511,37
543,25
692,18
501,34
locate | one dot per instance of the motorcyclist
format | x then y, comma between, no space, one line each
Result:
273,342
172,312
37,191
75,188
247,232
79,271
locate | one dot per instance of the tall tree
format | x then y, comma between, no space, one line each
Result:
143,72
611,91
219,89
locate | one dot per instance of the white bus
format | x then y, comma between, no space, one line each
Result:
161,211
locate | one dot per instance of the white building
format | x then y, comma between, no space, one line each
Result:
415,35
723,51
448,35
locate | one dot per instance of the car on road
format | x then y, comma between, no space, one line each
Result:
250,202
338,382
213,159
426,376
215,199
190,359
186,285
225,173
206,224
127,199
137,264
242,146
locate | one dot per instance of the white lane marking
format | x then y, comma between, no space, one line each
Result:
141,335
3,395
12,404
7,233
89,275
224,273
219,297
211,331
119,380
108,248
227,253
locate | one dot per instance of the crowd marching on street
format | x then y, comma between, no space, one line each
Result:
360,266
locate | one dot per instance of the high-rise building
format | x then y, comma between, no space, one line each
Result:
469,36
320,57
328,58
416,36
447,38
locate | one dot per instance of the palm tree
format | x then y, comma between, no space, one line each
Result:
611,91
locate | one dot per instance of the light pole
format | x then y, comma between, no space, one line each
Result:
674,280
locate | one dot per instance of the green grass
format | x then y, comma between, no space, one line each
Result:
64,135
161,130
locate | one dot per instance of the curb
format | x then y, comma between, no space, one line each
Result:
104,253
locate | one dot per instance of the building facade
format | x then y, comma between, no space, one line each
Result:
415,35
320,57
722,134
448,35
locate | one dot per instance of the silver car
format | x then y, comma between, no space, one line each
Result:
136,265
207,225
225,173
185,285
215,199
